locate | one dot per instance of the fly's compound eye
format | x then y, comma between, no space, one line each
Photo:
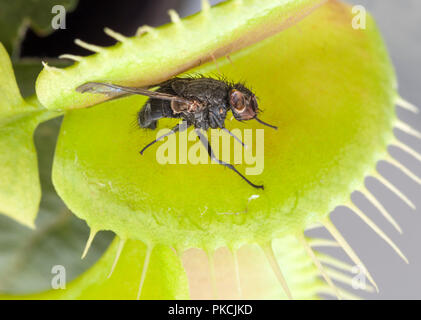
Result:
237,101
254,103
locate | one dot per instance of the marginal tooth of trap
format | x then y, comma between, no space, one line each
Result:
407,149
406,105
71,57
395,190
339,276
270,256
117,256
115,35
144,269
237,273
403,169
92,235
175,18
407,129
146,29
377,230
326,259
88,46
205,6
347,248
367,193
319,266
319,242
51,69
316,225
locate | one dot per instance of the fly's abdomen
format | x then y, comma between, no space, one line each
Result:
144,117
152,111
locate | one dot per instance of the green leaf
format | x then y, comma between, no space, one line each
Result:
20,191
329,88
16,16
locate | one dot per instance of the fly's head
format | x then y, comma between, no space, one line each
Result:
243,103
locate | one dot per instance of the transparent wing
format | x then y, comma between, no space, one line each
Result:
114,91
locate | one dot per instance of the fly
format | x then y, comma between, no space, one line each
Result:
200,102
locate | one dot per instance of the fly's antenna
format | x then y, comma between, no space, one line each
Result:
266,124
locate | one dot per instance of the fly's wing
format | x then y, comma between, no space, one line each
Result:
114,91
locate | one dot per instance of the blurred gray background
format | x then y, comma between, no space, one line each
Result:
400,24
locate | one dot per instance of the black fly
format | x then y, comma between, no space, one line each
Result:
199,102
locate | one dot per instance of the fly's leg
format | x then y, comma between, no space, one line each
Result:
178,128
207,145
235,137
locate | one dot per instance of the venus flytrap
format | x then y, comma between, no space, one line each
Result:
329,88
